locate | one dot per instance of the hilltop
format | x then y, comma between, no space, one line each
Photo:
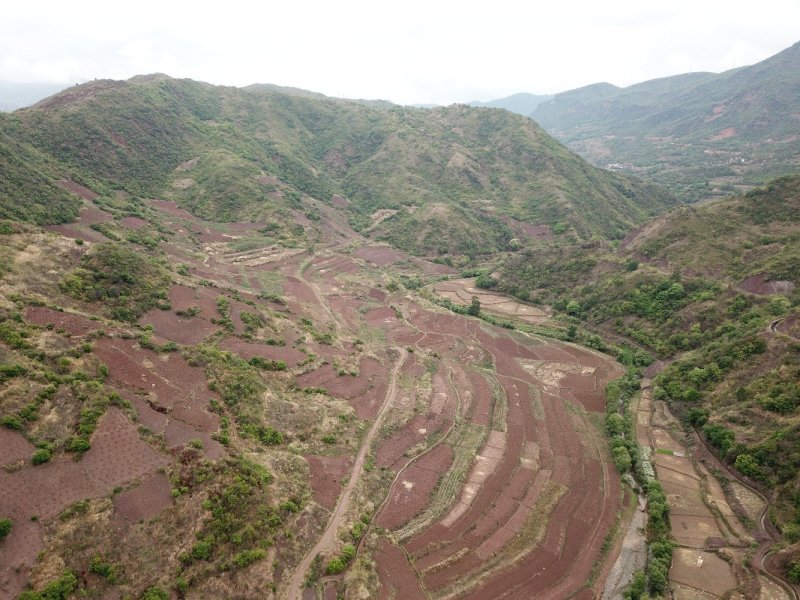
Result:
700,134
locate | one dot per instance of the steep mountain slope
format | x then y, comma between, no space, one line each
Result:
522,103
696,133
713,292
231,154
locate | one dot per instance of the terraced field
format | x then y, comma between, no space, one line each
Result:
714,547
457,458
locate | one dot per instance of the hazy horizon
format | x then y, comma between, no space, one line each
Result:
417,53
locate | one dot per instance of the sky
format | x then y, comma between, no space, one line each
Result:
411,51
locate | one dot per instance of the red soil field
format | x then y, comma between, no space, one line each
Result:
411,490
340,202
75,325
91,215
183,330
134,222
377,294
381,317
298,290
363,392
117,456
248,350
13,447
76,232
168,378
171,208
507,492
346,309
77,188
758,284
326,477
397,579
144,501
380,255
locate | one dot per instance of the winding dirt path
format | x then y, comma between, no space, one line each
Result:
766,531
295,589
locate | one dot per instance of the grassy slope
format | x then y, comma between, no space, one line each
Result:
686,130
478,163
671,289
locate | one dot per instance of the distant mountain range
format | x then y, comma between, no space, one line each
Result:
700,134
522,103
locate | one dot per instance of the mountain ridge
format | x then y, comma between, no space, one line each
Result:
135,135
700,134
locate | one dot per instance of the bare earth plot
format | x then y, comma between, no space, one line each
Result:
470,453
712,542
461,291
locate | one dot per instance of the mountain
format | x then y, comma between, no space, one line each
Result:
712,293
700,134
228,154
17,95
212,386
522,103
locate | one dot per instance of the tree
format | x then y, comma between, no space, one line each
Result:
474,309
746,464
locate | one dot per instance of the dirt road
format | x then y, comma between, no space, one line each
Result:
295,589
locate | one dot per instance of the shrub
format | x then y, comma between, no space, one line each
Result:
268,365
5,527
11,421
335,566
100,567
248,557
155,593
42,455
60,589
203,550
748,465
622,459
793,572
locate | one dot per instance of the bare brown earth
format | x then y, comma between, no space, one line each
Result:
532,466
492,478
758,284
327,473
33,494
78,189
461,292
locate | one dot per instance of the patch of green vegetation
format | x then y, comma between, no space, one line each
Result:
5,528
339,563
155,593
60,589
128,283
41,456
104,569
266,364
28,191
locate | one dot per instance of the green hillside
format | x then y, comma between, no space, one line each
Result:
714,292
253,154
700,134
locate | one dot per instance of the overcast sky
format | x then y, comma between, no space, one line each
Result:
409,51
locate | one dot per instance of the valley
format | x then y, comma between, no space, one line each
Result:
262,343
462,447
